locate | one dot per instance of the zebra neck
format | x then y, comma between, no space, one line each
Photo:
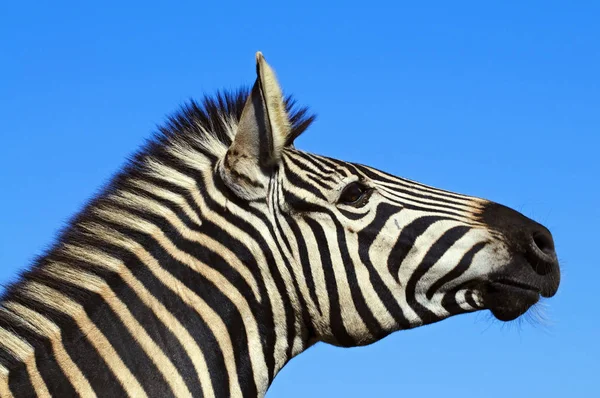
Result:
138,303
215,297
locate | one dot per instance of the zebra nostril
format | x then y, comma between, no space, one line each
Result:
542,255
544,242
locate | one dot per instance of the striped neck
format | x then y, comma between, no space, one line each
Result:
167,284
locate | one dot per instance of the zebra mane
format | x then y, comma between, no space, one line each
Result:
210,120
207,126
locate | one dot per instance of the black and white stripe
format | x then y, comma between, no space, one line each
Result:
221,252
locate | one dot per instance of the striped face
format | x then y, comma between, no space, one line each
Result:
372,253
376,253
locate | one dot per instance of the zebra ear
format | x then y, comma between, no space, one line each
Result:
262,132
264,125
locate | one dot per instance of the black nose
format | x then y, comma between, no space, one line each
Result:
524,236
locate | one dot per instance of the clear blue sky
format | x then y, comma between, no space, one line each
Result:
500,101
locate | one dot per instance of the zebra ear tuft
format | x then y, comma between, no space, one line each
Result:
262,131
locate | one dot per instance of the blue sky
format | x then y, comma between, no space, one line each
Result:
499,101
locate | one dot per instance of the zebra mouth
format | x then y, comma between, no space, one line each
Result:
508,299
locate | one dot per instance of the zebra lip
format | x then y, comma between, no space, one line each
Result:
516,284
508,299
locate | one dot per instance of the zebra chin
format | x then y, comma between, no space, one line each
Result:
511,292
508,299
508,302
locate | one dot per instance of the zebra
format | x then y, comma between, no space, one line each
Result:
220,252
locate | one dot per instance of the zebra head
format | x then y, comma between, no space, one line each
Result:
370,253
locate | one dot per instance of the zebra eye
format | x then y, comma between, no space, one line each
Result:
355,194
